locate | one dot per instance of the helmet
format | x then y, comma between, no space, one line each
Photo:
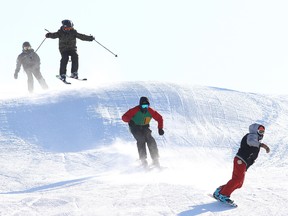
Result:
144,104
144,100
67,23
26,45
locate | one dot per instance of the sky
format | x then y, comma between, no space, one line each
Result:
240,45
69,153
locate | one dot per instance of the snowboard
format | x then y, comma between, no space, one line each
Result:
231,204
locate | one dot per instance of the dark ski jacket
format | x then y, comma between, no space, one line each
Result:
67,39
29,60
250,146
142,119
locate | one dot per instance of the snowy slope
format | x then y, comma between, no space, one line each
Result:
69,153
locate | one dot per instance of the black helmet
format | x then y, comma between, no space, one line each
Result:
67,23
26,45
144,104
144,100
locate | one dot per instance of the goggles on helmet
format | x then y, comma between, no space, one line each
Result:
27,47
67,28
145,106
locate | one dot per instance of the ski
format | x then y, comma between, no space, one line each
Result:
80,79
231,204
64,81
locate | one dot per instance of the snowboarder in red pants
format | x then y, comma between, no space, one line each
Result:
245,157
138,119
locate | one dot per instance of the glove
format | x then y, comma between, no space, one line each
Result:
160,131
265,147
15,75
48,35
91,38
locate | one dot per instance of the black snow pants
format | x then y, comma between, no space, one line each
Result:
143,135
64,61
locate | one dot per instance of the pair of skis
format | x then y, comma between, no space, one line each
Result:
66,82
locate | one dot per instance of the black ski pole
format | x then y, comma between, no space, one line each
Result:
40,44
106,48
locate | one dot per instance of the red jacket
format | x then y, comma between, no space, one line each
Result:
127,117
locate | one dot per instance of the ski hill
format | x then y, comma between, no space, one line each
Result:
69,153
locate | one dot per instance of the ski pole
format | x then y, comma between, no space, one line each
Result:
106,48
40,44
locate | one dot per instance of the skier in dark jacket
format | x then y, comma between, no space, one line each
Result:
67,46
245,157
31,65
139,118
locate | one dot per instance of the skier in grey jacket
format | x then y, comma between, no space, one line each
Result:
31,65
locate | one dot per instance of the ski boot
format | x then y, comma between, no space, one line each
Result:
225,199
74,75
156,163
62,77
216,193
144,163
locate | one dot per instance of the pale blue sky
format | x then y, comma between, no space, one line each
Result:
239,45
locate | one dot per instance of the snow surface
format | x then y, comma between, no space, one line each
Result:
68,152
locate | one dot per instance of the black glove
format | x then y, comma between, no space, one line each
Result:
15,75
160,131
48,35
91,38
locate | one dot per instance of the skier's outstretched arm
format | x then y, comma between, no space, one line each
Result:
263,145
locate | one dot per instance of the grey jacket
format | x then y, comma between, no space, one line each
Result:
29,60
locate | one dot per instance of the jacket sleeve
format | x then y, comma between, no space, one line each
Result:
252,140
54,35
18,64
83,37
129,114
157,117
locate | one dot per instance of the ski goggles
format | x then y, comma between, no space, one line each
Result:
144,106
27,48
67,28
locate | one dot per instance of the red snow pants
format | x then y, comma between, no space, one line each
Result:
238,175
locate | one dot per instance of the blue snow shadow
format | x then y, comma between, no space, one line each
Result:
67,123
53,186
203,208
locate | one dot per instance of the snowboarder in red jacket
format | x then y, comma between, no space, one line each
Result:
138,119
245,157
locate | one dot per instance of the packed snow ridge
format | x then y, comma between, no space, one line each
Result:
69,153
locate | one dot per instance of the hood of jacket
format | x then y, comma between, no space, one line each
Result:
253,128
